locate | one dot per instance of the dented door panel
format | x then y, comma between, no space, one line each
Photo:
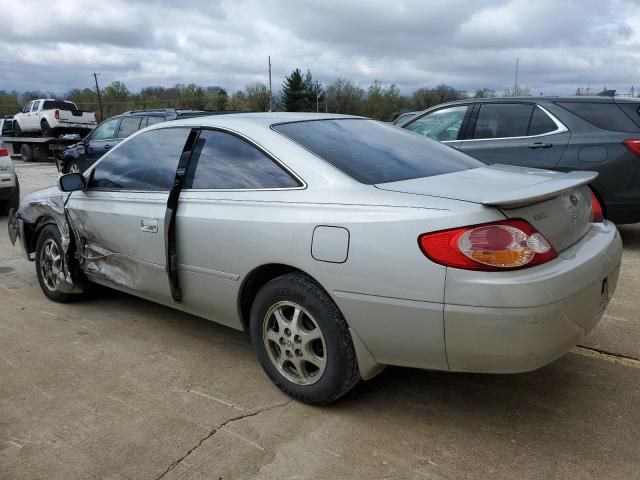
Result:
117,246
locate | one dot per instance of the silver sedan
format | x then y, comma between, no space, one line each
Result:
340,243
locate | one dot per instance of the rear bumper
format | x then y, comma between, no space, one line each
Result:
7,185
520,321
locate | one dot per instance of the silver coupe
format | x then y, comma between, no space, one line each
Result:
340,243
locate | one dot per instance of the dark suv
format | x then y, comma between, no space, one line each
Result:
558,133
106,135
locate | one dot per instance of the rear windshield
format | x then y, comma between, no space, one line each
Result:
607,116
373,152
59,105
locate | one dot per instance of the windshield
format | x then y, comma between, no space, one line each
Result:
373,152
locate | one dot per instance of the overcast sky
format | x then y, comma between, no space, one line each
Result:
54,45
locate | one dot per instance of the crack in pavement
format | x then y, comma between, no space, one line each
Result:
219,428
616,358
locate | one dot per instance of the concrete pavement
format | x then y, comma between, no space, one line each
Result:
116,387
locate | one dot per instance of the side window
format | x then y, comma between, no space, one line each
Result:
541,123
442,125
153,120
106,130
35,106
27,107
128,125
225,161
145,162
503,120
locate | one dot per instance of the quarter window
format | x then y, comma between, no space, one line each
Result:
224,161
503,120
128,125
541,123
105,130
146,162
441,125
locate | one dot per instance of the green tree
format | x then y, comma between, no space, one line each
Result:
116,99
257,95
424,98
296,92
342,96
484,93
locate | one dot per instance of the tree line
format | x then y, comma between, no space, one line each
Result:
299,92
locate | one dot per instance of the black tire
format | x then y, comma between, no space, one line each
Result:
26,152
70,165
341,369
12,202
48,234
46,128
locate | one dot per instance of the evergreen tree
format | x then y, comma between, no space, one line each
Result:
296,92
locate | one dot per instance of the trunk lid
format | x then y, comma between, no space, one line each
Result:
557,204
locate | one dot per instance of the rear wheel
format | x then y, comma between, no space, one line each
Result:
26,152
302,340
50,260
46,128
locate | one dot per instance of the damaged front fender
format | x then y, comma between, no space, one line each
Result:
41,208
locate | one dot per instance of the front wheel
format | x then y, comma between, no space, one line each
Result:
50,260
302,340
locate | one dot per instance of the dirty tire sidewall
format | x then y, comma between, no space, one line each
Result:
341,372
47,232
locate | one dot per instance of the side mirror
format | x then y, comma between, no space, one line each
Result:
72,182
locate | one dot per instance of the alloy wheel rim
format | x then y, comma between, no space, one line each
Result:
50,264
294,343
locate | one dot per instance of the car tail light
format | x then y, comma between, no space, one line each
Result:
504,245
633,145
4,152
597,215
57,114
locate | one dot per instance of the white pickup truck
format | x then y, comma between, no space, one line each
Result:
51,117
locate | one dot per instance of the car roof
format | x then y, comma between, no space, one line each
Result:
265,119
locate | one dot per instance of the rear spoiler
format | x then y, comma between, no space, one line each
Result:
540,191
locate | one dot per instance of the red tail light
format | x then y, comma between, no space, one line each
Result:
57,114
633,145
504,245
597,214
4,152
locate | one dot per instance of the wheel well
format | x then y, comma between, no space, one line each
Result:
254,281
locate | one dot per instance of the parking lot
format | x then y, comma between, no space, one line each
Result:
117,387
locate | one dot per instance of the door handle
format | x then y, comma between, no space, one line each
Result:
148,225
541,145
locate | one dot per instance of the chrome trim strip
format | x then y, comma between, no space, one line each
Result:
560,129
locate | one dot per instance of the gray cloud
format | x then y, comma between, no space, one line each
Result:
54,45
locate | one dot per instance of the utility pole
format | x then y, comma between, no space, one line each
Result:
270,93
515,84
95,77
317,102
